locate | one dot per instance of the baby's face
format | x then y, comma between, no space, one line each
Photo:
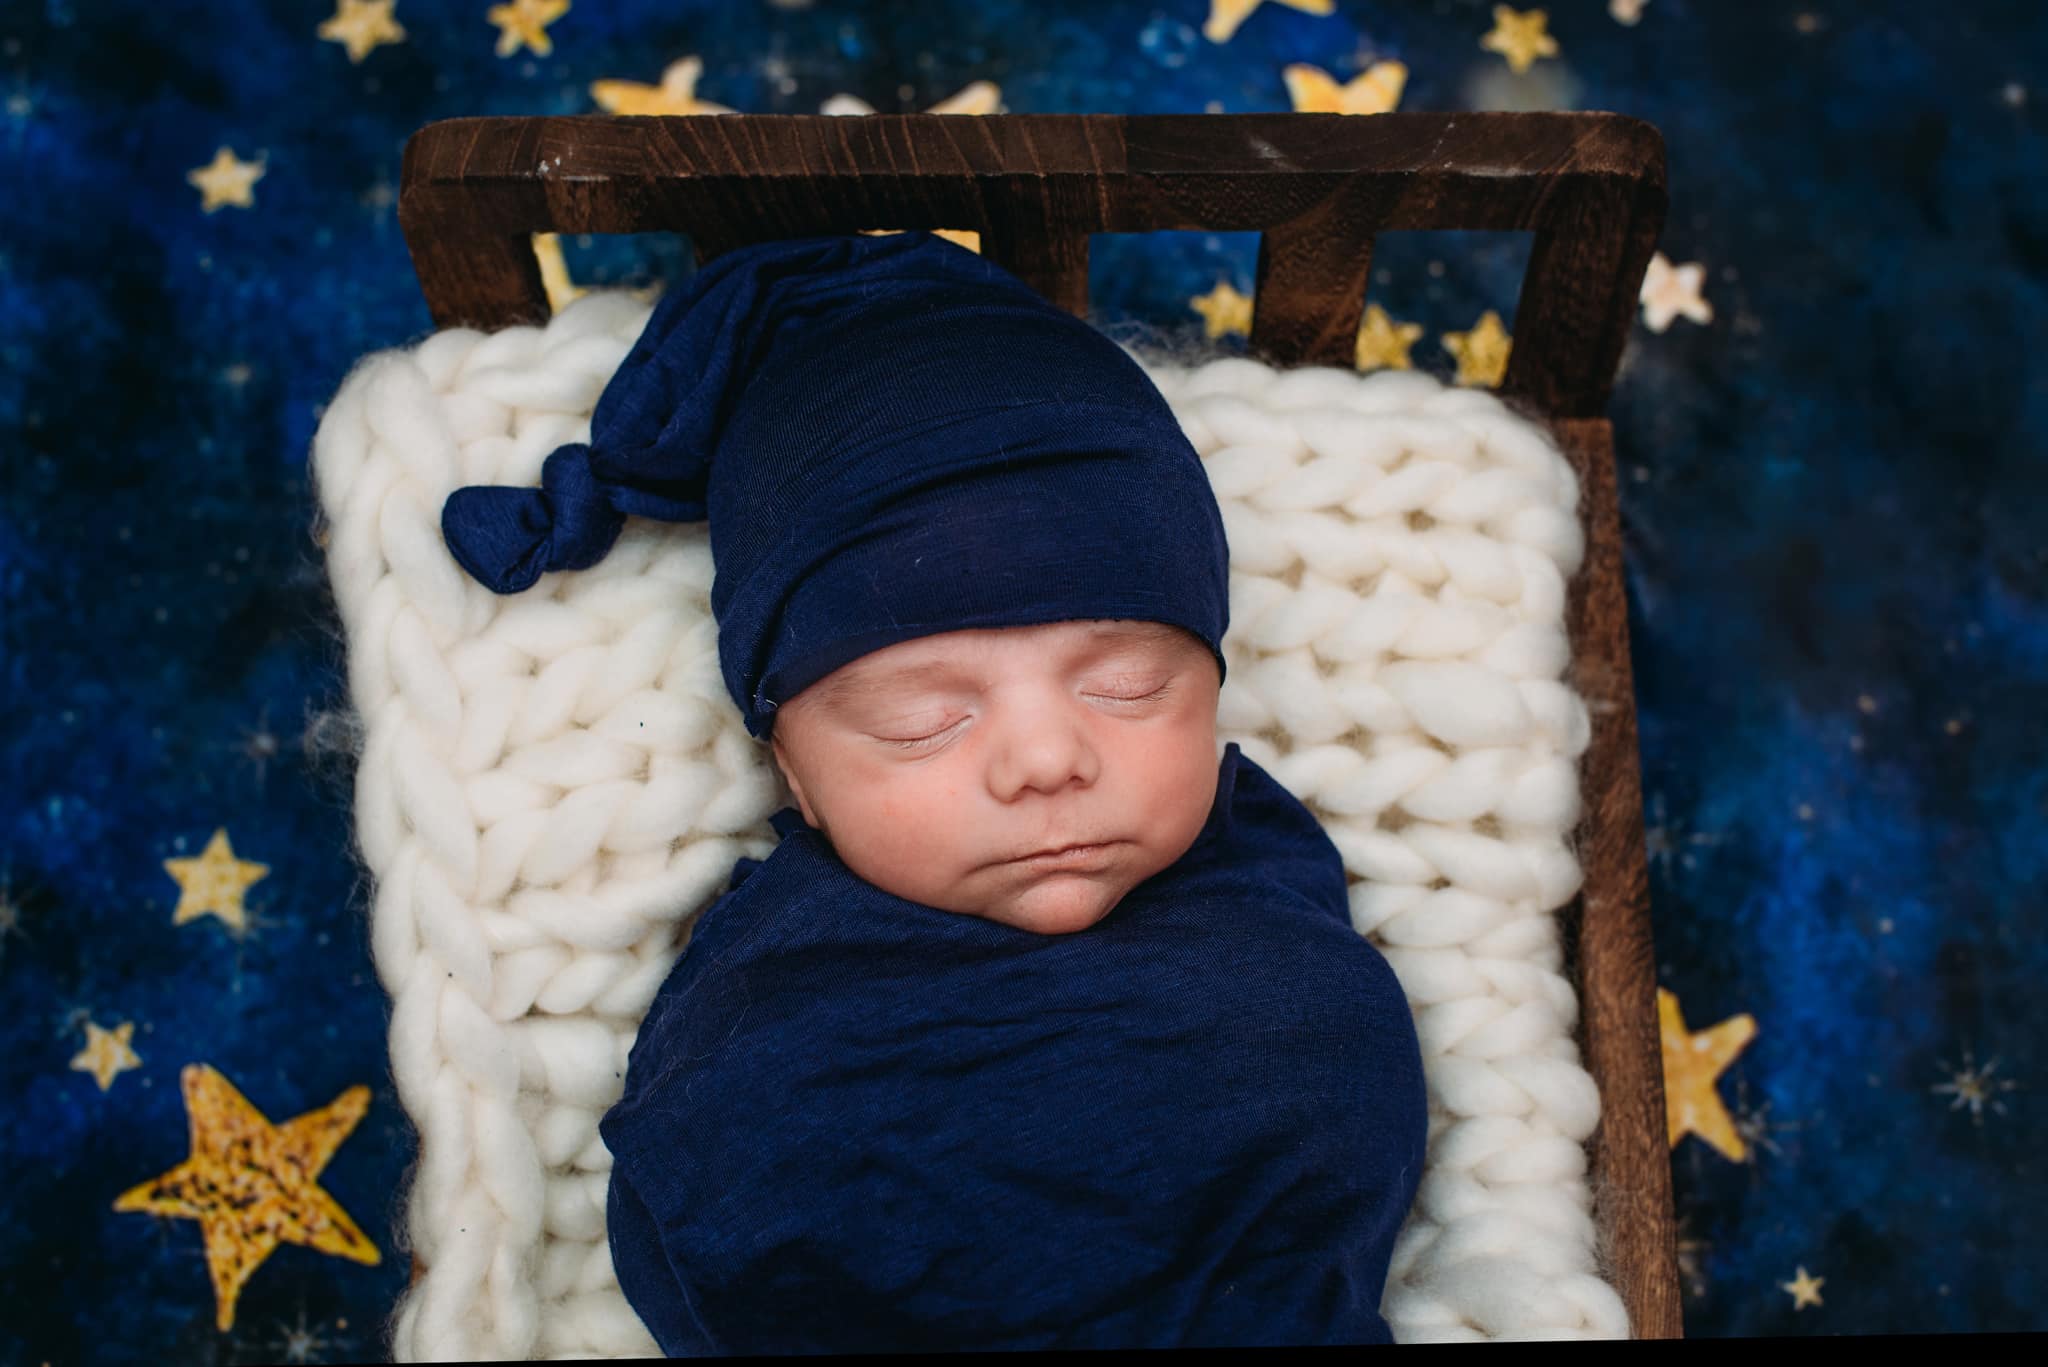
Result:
933,765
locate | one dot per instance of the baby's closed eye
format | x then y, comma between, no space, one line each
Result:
1126,692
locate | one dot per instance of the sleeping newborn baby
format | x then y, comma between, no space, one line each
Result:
1041,1027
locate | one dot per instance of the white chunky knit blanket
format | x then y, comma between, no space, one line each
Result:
552,785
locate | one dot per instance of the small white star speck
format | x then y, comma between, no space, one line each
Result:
1975,1087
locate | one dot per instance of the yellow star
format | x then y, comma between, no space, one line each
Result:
250,1184
1224,309
1482,353
1692,1064
976,97
554,272
1381,345
1805,1290
224,180
960,237
677,93
526,21
361,25
106,1054
213,883
1226,15
1519,36
1670,290
1315,91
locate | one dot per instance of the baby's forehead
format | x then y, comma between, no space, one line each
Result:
925,658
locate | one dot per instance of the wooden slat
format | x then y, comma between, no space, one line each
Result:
1589,186
1607,927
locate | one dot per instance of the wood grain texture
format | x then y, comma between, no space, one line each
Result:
1607,926
1590,187
1318,188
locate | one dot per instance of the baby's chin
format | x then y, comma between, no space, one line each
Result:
1056,904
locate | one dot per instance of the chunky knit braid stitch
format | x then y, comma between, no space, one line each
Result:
552,785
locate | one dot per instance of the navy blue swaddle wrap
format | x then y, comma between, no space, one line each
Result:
852,1121
856,1123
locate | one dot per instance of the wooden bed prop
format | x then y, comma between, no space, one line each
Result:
1318,188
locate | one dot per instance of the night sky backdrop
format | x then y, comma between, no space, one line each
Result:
1829,426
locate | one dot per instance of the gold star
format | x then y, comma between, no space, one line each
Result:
1692,1064
1670,290
976,97
224,180
1482,353
106,1054
526,21
1226,15
213,883
1382,345
677,93
1315,91
554,272
361,26
250,1184
1805,1290
1224,309
1519,36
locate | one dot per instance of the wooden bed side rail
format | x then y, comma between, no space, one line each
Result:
1318,187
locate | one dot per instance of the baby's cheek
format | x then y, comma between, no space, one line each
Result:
906,827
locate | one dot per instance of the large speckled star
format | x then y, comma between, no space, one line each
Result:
1381,344
213,883
226,180
1805,1289
106,1054
250,1184
1314,91
677,93
1223,310
1693,1063
1519,36
1482,353
1226,15
1670,290
362,26
525,23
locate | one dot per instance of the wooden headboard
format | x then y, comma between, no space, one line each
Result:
1318,188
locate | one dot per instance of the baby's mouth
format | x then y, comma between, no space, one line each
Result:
1069,854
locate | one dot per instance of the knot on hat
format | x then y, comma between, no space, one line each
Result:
507,537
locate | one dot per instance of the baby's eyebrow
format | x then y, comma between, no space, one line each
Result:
849,689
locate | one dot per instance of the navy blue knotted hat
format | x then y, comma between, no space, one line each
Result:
891,437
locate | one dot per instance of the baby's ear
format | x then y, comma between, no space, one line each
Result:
789,776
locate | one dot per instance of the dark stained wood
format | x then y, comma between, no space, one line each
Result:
1589,186
1319,188
1607,926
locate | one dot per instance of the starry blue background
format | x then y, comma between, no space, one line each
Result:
1837,556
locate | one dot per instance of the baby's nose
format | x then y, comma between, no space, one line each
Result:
1048,756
